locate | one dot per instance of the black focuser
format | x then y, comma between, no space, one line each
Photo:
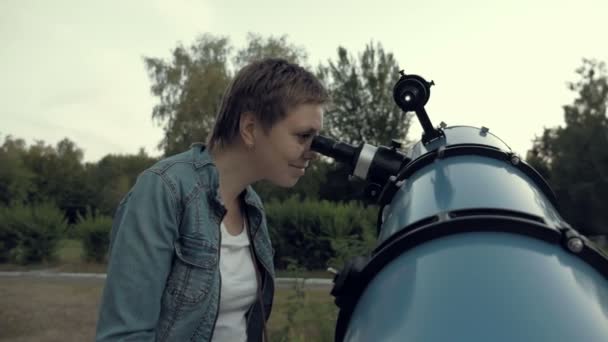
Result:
370,163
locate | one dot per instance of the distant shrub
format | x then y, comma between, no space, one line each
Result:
31,233
318,234
94,231
9,236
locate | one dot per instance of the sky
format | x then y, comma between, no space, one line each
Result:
75,68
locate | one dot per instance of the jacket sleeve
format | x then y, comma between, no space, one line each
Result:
144,229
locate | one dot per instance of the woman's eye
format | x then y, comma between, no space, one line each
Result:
304,136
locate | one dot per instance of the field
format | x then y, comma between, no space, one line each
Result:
51,309
37,309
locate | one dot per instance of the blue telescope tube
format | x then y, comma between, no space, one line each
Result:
471,247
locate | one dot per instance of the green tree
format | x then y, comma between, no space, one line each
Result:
189,88
362,106
113,176
574,157
191,85
72,192
259,47
362,110
58,177
15,177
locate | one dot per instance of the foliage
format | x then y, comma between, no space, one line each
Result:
58,176
94,231
191,85
9,235
31,232
258,47
112,178
329,233
306,320
43,173
574,157
189,88
15,177
363,109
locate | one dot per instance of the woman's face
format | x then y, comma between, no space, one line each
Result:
284,153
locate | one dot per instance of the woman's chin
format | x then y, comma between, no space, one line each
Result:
286,182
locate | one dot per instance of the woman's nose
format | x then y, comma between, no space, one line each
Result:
311,155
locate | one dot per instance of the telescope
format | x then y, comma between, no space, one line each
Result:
471,245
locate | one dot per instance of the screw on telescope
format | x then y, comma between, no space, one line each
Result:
575,245
515,159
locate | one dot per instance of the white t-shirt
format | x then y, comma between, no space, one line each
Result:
239,287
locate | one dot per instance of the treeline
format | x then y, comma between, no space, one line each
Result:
318,214
47,193
574,157
49,179
329,232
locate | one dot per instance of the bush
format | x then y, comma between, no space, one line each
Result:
318,234
33,232
9,236
94,231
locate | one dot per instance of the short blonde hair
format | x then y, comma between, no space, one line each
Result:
268,88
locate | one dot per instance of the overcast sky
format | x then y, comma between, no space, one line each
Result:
74,68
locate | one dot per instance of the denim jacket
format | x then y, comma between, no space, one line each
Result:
163,281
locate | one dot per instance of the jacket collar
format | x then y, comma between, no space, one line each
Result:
202,158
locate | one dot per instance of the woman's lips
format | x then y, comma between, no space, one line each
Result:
301,169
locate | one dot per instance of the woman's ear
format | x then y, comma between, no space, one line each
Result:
247,129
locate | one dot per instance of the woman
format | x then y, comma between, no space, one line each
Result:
190,255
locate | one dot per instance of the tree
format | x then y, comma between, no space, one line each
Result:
259,47
574,158
59,177
362,110
191,85
113,176
362,107
15,178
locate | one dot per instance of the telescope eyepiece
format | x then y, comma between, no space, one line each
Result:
342,152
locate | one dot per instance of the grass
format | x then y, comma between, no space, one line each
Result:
69,259
302,315
53,309
41,309
48,309
304,274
